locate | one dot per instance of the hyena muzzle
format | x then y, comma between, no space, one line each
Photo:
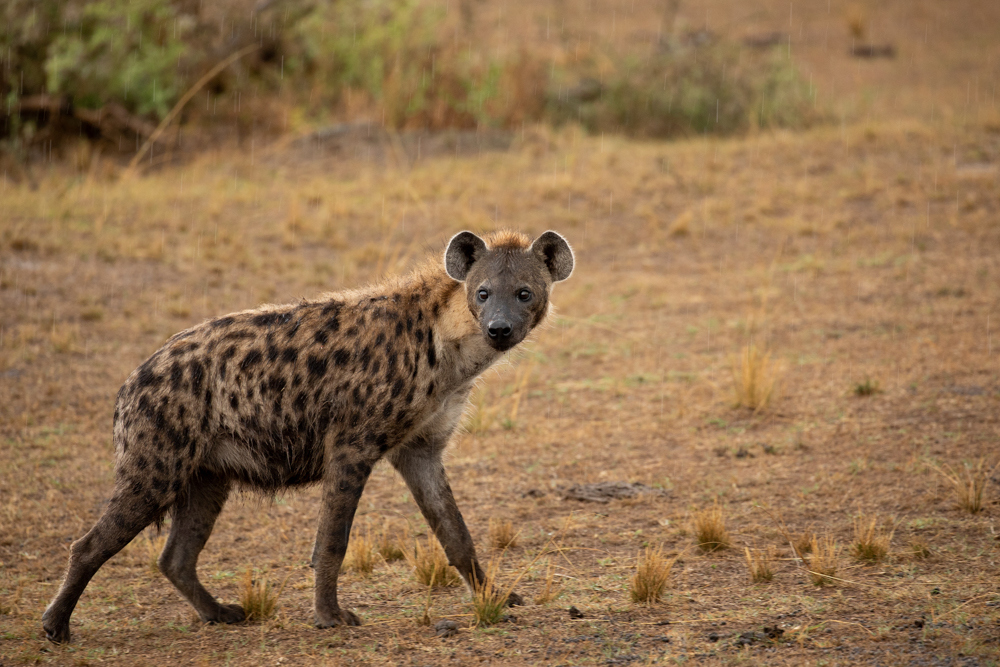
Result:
315,392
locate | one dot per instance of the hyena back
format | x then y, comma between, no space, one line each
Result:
316,392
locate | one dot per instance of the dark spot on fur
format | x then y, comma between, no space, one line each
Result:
146,377
317,366
276,384
365,358
430,388
197,370
409,324
289,355
431,352
253,358
300,402
409,395
399,329
176,376
234,400
351,332
272,351
294,329
376,367
341,357
380,338
397,387
221,322
267,319
238,335
420,335
359,400
320,337
387,411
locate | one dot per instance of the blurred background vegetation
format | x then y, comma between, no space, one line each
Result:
111,69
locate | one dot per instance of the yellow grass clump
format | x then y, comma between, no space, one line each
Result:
651,574
488,603
389,544
361,553
969,483
710,529
502,534
430,565
871,540
755,378
823,561
550,591
258,597
759,564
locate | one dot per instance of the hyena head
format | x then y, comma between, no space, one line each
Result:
507,280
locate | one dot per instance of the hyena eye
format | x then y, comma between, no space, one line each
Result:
482,295
524,295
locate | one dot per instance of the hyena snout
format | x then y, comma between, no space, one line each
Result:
499,328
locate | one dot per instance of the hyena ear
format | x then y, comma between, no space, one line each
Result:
555,253
463,251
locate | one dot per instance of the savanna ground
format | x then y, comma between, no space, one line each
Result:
859,255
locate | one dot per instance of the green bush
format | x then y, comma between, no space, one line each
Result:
123,50
396,52
710,88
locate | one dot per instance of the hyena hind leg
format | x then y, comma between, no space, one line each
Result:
194,515
129,511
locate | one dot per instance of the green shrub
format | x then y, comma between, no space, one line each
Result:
711,88
397,53
123,50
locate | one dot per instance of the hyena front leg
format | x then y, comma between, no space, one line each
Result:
342,487
421,467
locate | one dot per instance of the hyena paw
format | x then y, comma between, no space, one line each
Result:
57,633
514,600
229,613
339,617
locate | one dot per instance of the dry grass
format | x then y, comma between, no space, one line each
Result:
652,571
390,543
489,601
360,555
430,564
803,543
823,560
258,597
755,378
871,538
760,564
969,484
709,527
550,590
919,549
502,534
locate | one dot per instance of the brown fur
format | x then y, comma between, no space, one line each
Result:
283,396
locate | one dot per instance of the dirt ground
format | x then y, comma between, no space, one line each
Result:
863,257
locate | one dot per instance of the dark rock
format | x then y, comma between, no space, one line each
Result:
446,628
575,613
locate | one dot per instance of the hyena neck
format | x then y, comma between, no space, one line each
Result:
459,338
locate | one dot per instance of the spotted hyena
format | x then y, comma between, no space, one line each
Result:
315,392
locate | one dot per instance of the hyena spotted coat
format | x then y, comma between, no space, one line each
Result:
316,392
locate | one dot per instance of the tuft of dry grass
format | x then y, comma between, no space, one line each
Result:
154,547
869,387
489,603
871,539
430,565
550,591
651,574
710,529
803,544
755,378
823,560
919,549
969,483
361,553
759,564
502,534
390,544
258,597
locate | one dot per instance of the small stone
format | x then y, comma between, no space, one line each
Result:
713,637
575,613
446,628
919,622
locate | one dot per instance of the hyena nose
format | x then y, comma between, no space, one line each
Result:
499,328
